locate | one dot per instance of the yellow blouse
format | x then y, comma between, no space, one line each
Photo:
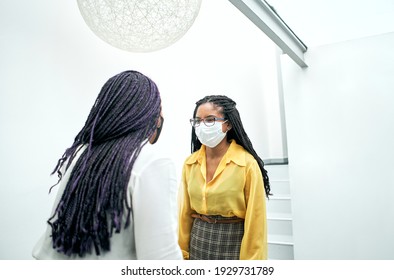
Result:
236,189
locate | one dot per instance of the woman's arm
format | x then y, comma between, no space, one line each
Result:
254,243
185,219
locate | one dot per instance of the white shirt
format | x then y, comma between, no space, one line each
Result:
152,233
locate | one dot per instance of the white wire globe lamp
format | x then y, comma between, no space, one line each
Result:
139,25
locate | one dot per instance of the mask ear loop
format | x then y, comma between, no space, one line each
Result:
228,129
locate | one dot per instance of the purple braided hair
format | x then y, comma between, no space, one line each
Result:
120,123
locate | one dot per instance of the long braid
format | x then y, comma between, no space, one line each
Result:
228,108
94,201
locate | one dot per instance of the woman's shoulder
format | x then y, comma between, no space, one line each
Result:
194,157
242,153
151,154
155,151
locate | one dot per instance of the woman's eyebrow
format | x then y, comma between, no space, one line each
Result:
209,116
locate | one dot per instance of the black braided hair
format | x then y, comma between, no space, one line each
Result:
92,205
228,108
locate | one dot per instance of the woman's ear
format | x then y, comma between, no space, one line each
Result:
229,126
159,122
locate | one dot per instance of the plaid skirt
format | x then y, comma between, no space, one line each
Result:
215,241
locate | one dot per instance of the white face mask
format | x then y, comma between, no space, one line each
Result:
210,136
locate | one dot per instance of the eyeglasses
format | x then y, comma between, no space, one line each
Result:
209,121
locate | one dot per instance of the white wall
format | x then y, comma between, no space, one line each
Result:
340,122
52,68
321,22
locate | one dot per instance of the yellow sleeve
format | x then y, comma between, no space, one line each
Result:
185,219
254,242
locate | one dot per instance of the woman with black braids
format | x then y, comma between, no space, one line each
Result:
117,193
224,186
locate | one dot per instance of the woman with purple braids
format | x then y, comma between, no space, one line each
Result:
117,192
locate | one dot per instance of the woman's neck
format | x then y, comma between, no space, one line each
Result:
218,151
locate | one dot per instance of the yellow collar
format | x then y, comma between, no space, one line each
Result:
235,153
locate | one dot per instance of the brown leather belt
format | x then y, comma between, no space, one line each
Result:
216,221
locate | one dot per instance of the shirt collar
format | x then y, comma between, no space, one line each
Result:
235,153
196,156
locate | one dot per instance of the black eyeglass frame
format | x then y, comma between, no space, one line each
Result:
197,122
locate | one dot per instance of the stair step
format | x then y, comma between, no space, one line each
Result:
280,187
278,196
280,252
280,247
279,227
280,205
278,172
280,216
280,239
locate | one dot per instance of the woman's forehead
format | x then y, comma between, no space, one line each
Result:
208,109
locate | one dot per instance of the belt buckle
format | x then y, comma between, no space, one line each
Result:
211,220
208,219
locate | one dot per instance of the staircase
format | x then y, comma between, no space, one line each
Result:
279,214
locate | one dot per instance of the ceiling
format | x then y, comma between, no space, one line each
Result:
319,22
